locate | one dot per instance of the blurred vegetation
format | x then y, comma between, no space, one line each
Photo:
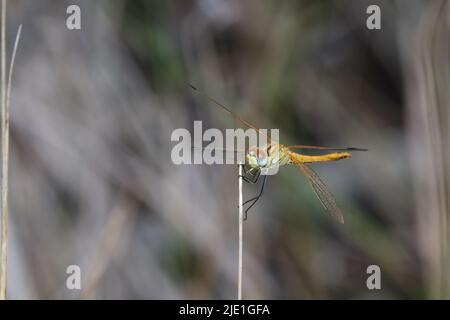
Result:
99,148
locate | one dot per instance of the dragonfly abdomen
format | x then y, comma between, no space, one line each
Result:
297,157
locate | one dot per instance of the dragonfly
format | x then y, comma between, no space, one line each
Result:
258,159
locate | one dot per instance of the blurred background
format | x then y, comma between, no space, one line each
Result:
93,184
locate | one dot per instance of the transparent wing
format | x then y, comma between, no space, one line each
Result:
218,149
227,155
300,146
321,191
231,113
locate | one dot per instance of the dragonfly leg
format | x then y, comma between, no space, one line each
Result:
251,178
255,199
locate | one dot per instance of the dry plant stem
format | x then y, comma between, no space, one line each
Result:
3,122
5,99
241,239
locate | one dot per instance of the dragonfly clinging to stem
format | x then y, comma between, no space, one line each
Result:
275,154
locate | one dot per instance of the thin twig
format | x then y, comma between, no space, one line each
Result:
241,232
11,70
3,127
5,100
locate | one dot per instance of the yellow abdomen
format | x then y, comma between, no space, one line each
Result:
297,157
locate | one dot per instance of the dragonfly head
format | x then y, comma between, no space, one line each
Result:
256,157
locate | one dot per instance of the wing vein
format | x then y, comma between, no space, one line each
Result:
321,191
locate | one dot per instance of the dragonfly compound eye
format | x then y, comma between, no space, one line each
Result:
261,157
262,162
257,157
